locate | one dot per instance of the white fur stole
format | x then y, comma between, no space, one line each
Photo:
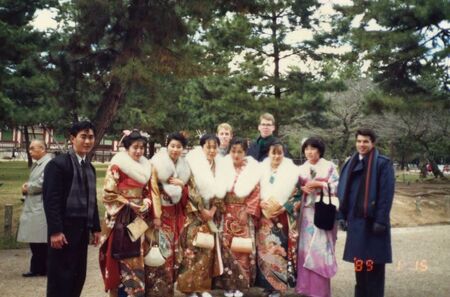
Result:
140,170
165,169
286,179
205,180
322,169
247,179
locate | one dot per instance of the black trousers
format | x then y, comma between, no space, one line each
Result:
67,266
370,281
38,263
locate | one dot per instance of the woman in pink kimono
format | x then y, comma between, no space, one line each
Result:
316,261
240,175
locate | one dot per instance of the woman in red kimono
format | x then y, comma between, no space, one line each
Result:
126,185
169,190
240,175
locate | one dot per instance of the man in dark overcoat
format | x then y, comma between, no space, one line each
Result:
70,204
366,191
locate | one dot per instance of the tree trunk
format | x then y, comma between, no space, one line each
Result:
435,169
27,145
107,110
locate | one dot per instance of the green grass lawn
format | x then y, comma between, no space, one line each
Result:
12,175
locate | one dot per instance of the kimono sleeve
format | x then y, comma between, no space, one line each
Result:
155,194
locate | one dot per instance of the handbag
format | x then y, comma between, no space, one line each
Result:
273,207
122,246
324,214
154,257
241,245
137,228
204,240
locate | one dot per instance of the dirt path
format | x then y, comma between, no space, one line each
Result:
421,268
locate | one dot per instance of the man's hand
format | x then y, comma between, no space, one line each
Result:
25,189
378,229
58,240
342,224
96,238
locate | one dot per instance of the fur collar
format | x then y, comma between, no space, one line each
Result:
165,168
205,181
140,170
286,179
322,168
247,179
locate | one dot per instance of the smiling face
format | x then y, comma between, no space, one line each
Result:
312,154
276,155
225,136
266,128
136,150
83,142
364,144
174,149
210,149
237,154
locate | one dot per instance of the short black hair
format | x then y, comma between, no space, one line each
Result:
314,142
367,132
135,135
238,141
81,126
207,137
275,142
176,136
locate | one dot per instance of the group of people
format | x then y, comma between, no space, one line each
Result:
226,215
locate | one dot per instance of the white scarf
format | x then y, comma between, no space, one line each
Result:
247,179
165,169
140,170
322,169
205,180
286,179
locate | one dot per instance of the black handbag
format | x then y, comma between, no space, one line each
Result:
324,214
122,247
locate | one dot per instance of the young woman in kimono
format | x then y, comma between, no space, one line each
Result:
276,235
198,265
168,186
240,175
126,185
316,261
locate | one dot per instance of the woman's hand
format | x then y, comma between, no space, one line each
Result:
263,204
206,214
278,212
175,181
157,223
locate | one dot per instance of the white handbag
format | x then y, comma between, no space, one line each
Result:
154,257
204,240
242,245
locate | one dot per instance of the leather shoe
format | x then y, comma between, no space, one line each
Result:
33,274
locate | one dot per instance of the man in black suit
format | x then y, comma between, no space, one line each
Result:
70,204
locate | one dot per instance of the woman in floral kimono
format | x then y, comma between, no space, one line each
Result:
240,175
197,264
276,236
316,254
126,185
168,186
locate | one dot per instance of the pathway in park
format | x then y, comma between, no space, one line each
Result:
421,268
